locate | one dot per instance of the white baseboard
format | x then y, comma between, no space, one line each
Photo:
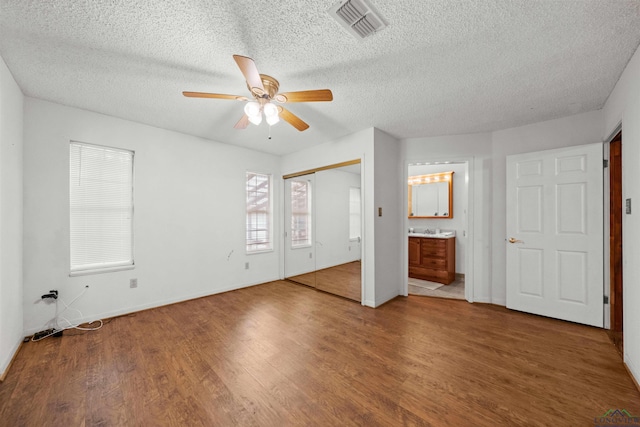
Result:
499,301
6,364
633,370
155,304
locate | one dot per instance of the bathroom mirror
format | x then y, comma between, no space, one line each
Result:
431,196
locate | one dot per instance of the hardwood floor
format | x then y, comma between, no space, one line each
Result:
283,354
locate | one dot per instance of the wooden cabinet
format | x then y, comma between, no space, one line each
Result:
432,259
414,251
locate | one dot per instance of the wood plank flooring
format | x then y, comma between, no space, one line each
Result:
282,354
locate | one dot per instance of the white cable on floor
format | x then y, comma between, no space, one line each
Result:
69,324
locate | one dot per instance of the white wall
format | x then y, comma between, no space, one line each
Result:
380,178
189,221
564,132
332,218
11,123
388,226
355,146
623,106
476,150
458,222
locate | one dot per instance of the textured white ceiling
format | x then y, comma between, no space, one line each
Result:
440,67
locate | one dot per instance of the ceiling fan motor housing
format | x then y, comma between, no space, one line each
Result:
271,87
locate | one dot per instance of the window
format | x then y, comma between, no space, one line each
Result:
259,236
101,208
300,213
354,213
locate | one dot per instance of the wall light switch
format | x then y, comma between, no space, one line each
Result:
133,283
628,203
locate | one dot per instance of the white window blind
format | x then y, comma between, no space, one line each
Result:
300,213
101,207
354,213
259,236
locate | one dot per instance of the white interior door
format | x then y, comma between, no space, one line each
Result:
299,257
555,233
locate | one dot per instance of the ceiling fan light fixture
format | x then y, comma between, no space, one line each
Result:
256,120
270,110
272,120
252,109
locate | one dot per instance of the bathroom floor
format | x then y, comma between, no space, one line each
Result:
431,289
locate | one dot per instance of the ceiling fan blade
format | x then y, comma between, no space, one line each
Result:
214,95
249,70
292,119
306,96
242,123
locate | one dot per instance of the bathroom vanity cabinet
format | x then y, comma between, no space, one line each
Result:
432,259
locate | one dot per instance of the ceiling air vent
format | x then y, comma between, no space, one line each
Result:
358,17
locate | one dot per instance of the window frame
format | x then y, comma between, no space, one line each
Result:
269,213
309,215
88,269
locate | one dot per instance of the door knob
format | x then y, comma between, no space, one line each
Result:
514,240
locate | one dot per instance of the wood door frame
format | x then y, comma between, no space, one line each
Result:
615,242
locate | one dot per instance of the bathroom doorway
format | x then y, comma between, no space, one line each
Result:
439,244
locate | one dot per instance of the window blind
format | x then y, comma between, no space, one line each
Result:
258,230
101,207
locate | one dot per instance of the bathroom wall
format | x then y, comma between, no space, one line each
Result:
458,222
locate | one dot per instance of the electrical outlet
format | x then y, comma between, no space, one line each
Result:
133,283
246,265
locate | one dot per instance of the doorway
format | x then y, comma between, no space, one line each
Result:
428,212
615,241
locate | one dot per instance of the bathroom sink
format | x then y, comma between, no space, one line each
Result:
441,235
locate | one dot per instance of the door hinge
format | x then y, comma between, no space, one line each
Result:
605,163
605,299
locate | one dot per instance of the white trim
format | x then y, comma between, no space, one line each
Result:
260,251
101,270
606,236
10,355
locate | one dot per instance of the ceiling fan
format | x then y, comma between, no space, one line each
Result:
264,90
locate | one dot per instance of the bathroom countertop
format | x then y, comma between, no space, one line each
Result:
443,235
